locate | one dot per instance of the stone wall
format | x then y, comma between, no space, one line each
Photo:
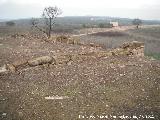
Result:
135,48
129,49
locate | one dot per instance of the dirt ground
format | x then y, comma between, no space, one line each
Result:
107,88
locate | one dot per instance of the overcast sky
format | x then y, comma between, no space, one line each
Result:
143,9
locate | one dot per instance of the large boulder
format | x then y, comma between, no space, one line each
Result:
41,60
62,39
67,39
20,63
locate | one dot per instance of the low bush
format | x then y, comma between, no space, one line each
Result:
153,55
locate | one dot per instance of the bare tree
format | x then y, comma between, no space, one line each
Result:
137,22
48,17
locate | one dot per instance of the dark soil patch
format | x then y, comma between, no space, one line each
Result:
110,34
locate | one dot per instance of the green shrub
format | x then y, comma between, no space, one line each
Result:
101,25
105,25
10,23
154,55
84,25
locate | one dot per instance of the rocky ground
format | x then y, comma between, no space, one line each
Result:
95,84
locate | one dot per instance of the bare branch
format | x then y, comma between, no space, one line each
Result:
49,15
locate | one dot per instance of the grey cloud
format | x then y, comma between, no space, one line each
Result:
12,11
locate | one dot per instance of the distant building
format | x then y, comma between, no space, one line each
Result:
114,24
92,19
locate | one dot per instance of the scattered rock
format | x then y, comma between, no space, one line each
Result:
16,35
132,45
138,52
61,59
95,45
56,97
121,75
11,68
71,41
67,39
4,114
3,69
2,98
121,66
62,39
20,114
133,48
69,63
103,54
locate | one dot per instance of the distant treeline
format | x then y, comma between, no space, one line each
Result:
70,23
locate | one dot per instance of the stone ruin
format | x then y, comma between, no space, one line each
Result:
129,49
133,48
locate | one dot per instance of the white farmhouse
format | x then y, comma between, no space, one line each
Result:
114,24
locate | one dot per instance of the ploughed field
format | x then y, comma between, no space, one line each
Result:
112,86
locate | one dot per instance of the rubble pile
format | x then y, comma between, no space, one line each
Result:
134,48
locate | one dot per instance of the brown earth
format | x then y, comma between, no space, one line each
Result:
86,88
110,34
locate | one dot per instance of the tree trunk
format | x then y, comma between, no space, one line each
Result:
50,27
137,26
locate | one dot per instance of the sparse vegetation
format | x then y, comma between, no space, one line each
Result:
84,25
154,55
49,15
10,23
102,25
137,22
105,25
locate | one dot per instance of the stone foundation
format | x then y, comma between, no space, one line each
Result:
130,49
